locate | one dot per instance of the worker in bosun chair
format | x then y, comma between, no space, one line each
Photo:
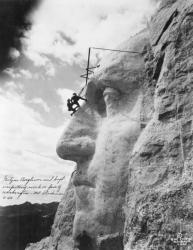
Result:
74,101
75,98
70,107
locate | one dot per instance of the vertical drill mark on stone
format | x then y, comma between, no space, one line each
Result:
188,67
166,26
179,124
142,115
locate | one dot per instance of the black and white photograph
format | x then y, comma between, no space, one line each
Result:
96,125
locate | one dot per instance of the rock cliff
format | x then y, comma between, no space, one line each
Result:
159,197
132,142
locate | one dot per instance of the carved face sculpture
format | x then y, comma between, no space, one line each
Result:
100,139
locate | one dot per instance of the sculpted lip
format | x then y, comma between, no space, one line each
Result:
78,180
80,177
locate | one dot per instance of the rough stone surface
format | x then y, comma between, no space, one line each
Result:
42,245
159,197
61,233
132,142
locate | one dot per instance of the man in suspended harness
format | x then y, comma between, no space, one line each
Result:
75,98
74,101
70,107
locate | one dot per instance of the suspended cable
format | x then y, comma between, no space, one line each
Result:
89,70
117,50
179,125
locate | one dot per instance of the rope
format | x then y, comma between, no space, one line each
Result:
80,92
117,50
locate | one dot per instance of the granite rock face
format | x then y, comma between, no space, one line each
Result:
101,137
61,232
159,201
132,142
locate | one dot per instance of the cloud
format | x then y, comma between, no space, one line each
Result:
50,70
69,27
26,74
12,87
37,57
27,146
64,95
16,74
14,22
68,39
14,53
40,102
12,73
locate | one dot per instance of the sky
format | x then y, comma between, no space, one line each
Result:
41,68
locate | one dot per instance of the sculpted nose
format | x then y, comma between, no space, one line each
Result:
77,143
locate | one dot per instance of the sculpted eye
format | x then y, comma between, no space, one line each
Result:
105,100
111,95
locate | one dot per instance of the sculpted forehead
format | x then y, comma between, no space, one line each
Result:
123,71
